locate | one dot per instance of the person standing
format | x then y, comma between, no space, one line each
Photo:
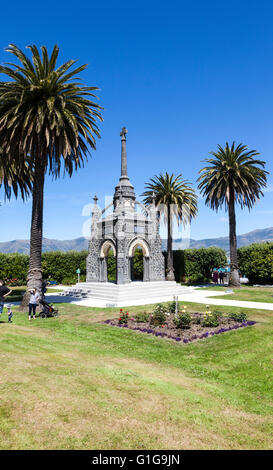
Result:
44,288
4,292
33,302
215,276
221,277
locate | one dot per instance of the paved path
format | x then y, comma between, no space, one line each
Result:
198,296
204,297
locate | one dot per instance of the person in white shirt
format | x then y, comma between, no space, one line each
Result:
33,302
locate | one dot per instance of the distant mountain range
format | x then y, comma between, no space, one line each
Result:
79,244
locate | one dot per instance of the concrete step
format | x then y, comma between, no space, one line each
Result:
127,292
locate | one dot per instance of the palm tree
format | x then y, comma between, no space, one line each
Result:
48,116
232,176
174,197
14,179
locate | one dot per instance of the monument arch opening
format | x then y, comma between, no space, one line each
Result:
139,260
108,261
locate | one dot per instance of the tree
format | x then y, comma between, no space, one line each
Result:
174,197
48,116
232,176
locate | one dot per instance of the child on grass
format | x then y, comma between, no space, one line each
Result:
10,314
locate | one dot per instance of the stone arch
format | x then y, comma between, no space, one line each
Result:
139,242
105,247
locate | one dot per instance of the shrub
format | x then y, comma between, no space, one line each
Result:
142,317
158,316
172,306
15,282
199,263
13,266
196,265
183,320
256,262
210,319
196,318
196,279
123,318
58,265
240,317
68,281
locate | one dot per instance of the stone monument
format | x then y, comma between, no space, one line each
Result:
123,231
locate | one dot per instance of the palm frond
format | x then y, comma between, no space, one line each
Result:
232,171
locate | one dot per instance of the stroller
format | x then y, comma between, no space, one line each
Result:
48,310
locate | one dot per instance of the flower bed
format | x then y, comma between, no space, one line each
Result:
195,329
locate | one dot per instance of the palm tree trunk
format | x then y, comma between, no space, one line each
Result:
170,270
234,279
34,279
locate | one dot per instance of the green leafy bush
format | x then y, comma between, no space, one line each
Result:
256,262
172,306
211,319
196,319
13,266
196,278
58,265
240,317
158,316
183,320
68,281
142,317
199,263
195,265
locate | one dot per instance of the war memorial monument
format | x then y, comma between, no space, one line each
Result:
123,231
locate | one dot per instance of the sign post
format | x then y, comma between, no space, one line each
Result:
78,271
175,298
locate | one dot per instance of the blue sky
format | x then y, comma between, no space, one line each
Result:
181,76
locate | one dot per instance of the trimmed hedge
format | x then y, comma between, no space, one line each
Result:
200,262
196,265
256,262
190,265
57,265
14,266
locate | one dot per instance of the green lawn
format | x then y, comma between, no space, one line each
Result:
250,294
72,383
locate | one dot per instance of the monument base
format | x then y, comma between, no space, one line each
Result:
108,294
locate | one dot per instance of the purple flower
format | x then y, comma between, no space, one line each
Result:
185,340
177,338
